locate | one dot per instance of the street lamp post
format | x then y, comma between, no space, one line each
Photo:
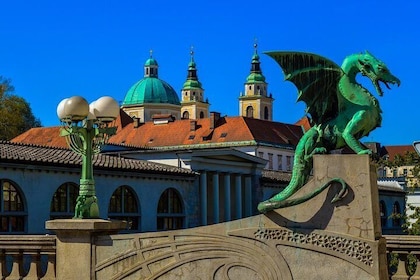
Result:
86,130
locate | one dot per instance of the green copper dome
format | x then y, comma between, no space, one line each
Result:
151,89
151,61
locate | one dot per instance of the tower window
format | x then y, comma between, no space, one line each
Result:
266,113
186,115
201,115
250,112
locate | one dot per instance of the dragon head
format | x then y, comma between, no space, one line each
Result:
376,71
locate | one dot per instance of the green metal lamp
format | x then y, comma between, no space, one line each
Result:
86,128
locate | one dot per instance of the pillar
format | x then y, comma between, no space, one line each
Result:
203,197
228,214
74,245
238,196
248,196
216,204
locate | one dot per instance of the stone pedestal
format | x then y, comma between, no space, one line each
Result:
74,252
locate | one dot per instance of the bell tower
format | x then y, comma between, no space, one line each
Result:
193,105
254,101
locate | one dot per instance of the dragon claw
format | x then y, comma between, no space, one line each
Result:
365,152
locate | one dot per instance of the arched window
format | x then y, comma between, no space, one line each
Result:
64,201
250,112
266,113
382,211
186,115
123,205
170,213
12,212
396,215
201,115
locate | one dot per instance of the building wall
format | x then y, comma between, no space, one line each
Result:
272,155
38,185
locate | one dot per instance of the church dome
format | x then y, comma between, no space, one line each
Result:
151,89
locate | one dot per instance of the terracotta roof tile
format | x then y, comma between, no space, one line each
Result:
227,130
44,136
17,152
392,151
305,123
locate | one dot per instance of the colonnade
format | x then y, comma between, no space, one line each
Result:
224,196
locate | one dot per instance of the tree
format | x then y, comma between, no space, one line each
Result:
16,114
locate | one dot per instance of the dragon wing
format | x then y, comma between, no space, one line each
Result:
316,79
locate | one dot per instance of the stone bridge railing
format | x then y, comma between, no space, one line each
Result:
33,256
404,246
27,257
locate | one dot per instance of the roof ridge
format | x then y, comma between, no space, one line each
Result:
33,145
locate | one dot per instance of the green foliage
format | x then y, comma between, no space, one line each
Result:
16,114
411,222
409,158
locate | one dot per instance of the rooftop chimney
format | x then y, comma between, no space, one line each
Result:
193,125
214,117
136,122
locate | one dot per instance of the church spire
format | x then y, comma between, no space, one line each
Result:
255,103
256,72
193,104
192,70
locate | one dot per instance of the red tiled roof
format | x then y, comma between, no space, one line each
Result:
226,130
50,136
392,151
42,136
305,123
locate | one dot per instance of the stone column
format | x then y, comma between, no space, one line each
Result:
203,197
228,214
238,196
248,196
74,247
216,205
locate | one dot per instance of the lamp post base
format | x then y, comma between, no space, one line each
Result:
86,207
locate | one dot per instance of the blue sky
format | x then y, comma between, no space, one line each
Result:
56,49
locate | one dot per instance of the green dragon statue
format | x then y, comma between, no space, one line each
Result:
341,110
